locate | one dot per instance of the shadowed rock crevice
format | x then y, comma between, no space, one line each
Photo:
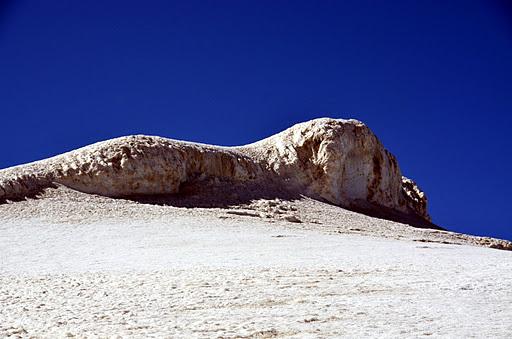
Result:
337,161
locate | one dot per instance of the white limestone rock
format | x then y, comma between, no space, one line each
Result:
340,161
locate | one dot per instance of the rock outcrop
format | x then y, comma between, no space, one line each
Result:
339,161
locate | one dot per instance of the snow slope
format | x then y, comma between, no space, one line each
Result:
208,273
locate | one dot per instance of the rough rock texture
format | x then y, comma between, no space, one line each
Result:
339,161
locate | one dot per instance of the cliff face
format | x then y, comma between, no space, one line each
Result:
340,161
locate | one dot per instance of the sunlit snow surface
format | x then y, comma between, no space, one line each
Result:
190,278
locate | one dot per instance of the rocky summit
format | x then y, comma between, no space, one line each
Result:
338,161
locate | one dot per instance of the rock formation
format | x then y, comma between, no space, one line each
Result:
338,161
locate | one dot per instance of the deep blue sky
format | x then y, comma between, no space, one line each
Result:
433,79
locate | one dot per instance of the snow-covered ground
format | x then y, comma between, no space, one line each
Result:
188,277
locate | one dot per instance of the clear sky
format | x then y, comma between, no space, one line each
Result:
433,79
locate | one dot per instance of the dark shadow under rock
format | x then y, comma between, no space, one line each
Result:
215,193
381,212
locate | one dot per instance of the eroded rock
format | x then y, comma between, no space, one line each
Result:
339,161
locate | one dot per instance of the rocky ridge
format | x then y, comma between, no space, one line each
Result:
338,161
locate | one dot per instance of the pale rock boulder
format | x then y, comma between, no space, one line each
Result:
339,161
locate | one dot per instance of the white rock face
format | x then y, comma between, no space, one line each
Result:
340,161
